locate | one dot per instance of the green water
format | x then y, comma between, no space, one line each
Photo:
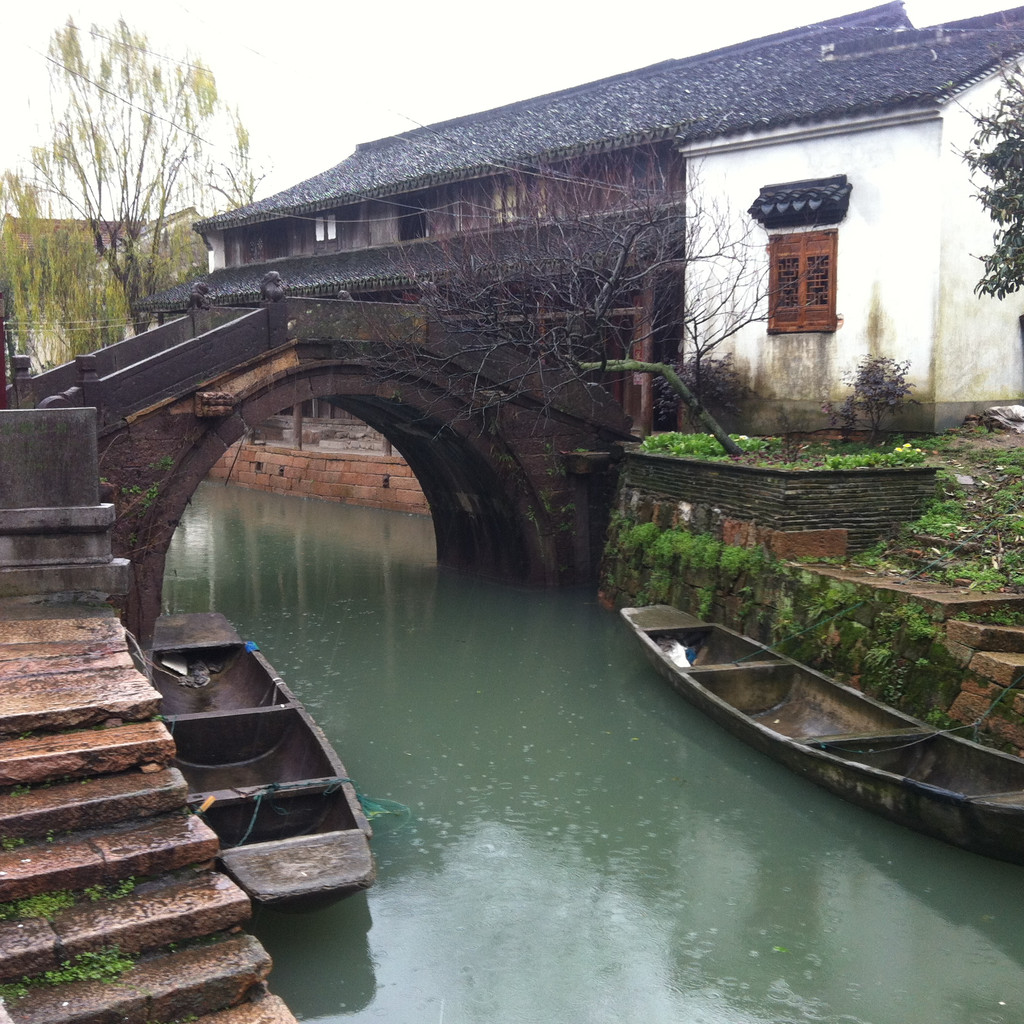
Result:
583,847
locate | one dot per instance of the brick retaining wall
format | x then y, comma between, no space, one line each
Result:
372,480
740,503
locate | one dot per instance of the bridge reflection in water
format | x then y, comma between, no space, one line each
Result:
584,846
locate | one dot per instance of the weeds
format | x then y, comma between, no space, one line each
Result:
102,965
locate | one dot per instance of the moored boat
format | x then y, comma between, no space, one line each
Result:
259,769
877,757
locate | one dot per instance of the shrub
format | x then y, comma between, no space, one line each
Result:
879,390
705,446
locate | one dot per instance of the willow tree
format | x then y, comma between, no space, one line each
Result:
131,149
59,299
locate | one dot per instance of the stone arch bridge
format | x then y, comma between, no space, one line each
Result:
510,494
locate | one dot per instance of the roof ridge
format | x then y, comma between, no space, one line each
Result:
860,19
996,19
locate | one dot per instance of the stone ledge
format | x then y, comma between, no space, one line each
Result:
268,1010
109,579
73,519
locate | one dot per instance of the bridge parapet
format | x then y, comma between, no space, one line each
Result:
177,358
161,364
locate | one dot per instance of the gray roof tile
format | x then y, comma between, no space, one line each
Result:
879,62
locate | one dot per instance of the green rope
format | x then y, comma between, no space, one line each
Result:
252,820
371,808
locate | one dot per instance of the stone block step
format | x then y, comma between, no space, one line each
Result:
154,915
91,803
982,637
60,624
66,691
1002,668
268,1010
85,859
186,984
79,754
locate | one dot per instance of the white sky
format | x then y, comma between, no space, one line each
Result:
315,77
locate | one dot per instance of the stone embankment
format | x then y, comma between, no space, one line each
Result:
370,479
97,850
993,660
735,547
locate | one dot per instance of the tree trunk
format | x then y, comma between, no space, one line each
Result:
670,375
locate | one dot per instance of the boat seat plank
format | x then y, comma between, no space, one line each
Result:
1014,796
302,867
909,734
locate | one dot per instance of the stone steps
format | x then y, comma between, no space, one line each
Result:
268,1010
152,916
89,798
106,855
75,755
90,803
993,653
55,695
982,637
186,984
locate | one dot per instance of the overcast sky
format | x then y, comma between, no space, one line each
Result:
314,77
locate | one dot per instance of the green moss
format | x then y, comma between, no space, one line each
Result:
102,965
45,904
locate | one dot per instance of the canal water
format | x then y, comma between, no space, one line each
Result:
581,846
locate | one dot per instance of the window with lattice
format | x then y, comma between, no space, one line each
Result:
802,293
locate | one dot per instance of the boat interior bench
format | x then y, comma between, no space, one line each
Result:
883,739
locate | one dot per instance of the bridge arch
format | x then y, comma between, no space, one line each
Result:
502,503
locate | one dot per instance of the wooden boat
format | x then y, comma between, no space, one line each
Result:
872,755
259,769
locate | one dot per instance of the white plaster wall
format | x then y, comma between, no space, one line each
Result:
888,252
980,357
216,253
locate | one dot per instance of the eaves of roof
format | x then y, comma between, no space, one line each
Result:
319,276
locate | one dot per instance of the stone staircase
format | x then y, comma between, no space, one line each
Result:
993,659
94,831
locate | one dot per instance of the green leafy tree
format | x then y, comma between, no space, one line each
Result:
130,150
997,158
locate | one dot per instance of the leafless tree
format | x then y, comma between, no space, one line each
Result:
587,269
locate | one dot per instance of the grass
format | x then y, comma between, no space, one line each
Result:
972,534
104,965
782,453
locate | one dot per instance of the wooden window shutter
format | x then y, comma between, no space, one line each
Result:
802,282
